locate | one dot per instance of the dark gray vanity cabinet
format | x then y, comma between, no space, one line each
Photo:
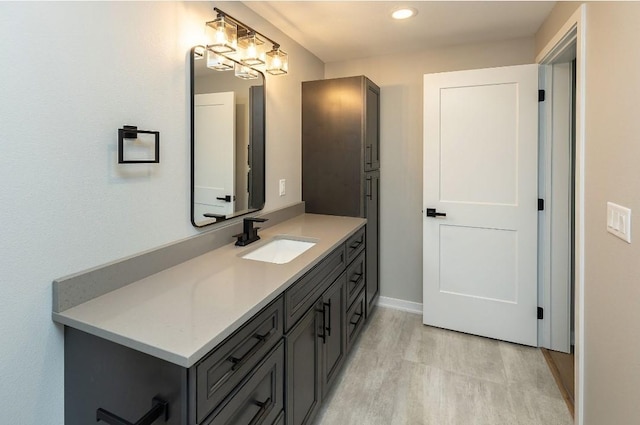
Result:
239,382
372,212
341,157
274,370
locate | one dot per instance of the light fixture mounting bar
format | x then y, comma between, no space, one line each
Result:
244,26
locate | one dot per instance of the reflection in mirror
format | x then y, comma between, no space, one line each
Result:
227,144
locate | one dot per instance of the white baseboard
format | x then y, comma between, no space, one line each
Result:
397,304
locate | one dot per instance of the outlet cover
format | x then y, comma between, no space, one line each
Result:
619,221
283,190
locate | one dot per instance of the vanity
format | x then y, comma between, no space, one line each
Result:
220,339
204,331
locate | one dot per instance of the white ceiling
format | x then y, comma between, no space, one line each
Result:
340,30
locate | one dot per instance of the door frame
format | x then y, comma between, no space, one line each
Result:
555,187
572,31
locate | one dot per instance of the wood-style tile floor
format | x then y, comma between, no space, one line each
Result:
404,373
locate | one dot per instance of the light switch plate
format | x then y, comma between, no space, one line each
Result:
619,221
283,187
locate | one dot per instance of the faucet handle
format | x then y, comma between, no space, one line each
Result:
256,219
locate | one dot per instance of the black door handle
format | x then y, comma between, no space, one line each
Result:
431,212
226,198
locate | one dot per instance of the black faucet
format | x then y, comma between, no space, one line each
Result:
250,233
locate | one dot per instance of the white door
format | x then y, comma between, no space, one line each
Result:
215,148
480,169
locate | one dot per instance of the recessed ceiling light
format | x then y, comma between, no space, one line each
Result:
404,13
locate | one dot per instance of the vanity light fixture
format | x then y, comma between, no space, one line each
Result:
236,42
404,13
277,61
222,34
252,49
245,72
218,62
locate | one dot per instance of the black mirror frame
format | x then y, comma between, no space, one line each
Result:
262,153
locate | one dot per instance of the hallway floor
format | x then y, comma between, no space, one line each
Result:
404,373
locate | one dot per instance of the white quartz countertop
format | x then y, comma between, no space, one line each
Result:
183,312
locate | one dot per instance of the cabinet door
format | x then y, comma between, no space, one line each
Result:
303,367
372,208
372,126
332,146
334,342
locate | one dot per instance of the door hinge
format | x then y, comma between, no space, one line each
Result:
540,204
540,95
540,313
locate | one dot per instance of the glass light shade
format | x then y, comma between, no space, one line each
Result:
252,49
218,62
222,35
245,72
277,62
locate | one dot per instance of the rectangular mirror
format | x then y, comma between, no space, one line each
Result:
227,142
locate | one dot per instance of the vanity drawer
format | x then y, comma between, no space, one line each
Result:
280,420
355,278
355,244
355,319
303,294
221,371
259,399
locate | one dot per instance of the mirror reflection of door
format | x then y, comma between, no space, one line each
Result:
215,136
247,121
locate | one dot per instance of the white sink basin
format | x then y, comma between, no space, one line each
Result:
280,250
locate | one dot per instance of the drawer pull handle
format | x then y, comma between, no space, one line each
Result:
357,321
323,335
159,408
264,408
356,244
262,340
328,328
357,278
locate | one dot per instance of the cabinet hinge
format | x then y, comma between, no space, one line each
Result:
540,313
540,95
540,204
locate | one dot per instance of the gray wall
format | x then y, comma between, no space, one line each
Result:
71,75
612,173
558,16
400,80
612,271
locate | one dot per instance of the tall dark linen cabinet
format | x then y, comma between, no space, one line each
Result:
341,158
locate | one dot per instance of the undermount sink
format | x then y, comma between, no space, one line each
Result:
280,250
